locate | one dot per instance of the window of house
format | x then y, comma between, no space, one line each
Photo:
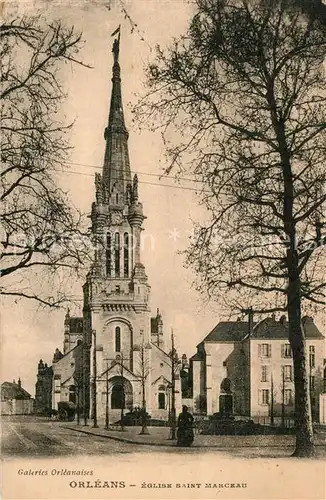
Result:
117,339
265,350
286,351
161,401
312,356
264,373
117,198
117,289
287,373
264,397
312,382
288,399
108,254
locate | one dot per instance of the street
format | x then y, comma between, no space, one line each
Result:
34,447
28,436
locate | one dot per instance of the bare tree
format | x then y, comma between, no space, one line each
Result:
245,92
142,371
41,231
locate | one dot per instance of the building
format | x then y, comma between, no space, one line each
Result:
43,388
15,400
246,369
116,350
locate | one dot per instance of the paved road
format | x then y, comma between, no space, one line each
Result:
32,437
41,438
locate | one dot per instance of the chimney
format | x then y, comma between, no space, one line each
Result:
19,382
283,319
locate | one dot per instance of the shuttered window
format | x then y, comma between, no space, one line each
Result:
286,351
263,397
264,350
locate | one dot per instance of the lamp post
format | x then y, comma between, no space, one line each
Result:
94,383
107,420
173,412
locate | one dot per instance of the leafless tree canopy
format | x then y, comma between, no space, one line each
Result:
245,92
41,231
245,86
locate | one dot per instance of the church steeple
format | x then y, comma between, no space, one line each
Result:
116,169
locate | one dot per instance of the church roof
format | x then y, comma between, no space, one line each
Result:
11,390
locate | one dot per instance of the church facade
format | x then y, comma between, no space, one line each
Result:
116,354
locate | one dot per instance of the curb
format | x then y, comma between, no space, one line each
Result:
151,443
122,440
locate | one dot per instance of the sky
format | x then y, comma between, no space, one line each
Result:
30,333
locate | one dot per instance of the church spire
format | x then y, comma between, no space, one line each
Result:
116,169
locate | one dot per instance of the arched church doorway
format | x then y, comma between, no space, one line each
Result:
121,393
226,398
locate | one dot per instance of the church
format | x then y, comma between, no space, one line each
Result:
115,355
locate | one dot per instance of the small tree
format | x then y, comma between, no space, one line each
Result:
41,231
244,91
142,372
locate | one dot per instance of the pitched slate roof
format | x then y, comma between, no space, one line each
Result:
11,390
311,329
268,328
228,331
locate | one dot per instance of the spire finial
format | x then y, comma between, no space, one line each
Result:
116,44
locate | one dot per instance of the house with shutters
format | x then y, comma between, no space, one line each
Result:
246,369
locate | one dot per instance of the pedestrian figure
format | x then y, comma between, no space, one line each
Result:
185,433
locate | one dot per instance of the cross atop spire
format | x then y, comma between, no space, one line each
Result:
116,49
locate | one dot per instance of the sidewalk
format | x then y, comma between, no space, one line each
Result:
159,436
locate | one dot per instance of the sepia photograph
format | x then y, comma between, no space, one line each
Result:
163,263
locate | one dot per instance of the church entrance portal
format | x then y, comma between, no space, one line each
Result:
121,393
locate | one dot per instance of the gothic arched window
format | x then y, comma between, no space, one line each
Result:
108,254
117,254
126,255
117,339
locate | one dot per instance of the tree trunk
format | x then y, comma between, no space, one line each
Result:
303,421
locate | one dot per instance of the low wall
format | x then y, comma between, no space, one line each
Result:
17,407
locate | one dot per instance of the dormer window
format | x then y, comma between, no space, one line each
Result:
117,198
117,289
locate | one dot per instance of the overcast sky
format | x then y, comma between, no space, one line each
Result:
29,333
